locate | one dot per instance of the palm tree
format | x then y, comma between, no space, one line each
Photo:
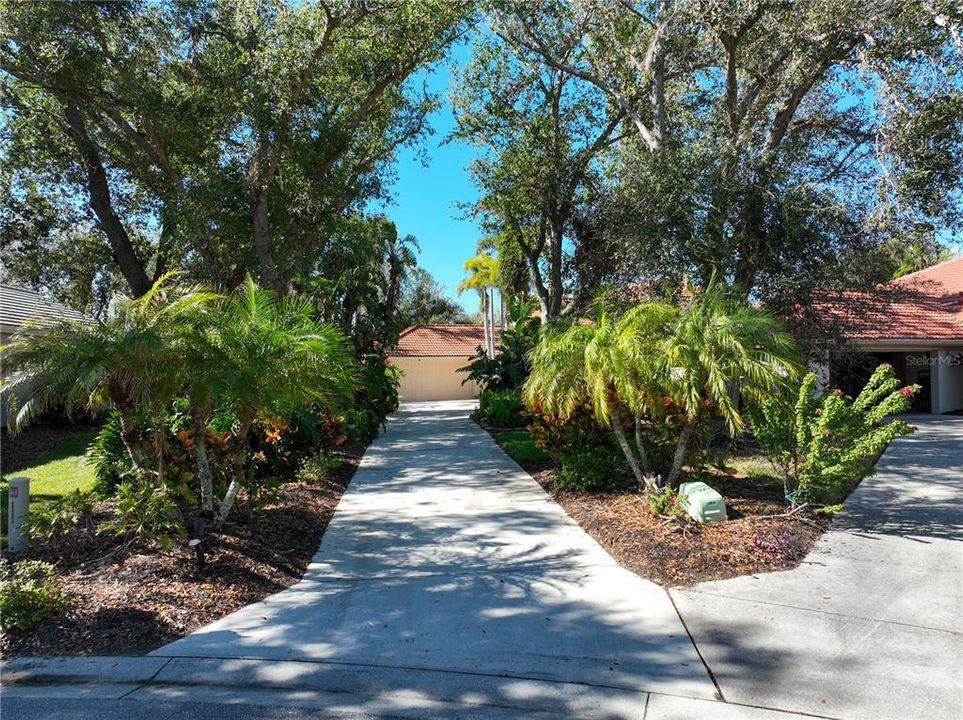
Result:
701,356
722,348
482,272
266,355
124,360
610,363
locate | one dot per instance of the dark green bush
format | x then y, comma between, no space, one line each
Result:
109,457
28,593
502,408
596,469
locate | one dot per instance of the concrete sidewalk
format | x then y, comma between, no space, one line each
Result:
869,627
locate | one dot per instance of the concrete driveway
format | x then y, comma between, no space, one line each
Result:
448,585
447,574
870,625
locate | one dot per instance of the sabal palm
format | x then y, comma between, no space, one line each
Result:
720,348
270,355
124,359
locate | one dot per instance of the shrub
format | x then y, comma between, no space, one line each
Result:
579,432
109,457
597,470
54,521
509,367
318,468
666,503
502,408
824,446
28,593
146,513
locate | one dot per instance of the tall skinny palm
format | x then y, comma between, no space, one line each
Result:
722,348
482,277
124,360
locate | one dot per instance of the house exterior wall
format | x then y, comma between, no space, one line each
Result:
433,378
947,368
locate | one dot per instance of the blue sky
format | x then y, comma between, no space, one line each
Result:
424,195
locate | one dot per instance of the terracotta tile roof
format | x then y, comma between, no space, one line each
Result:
17,305
925,305
440,341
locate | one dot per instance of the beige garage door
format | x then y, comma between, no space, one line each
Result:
433,378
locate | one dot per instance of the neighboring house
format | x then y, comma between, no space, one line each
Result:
19,305
430,356
919,331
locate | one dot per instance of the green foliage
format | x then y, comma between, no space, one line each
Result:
560,437
147,514
666,503
228,126
423,300
318,468
56,520
109,457
595,469
502,408
824,446
659,369
773,182
508,368
28,593
519,446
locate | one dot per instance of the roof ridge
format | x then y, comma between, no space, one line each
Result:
929,269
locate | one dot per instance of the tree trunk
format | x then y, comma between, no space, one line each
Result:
159,454
238,459
203,463
627,451
643,456
484,312
681,449
128,433
101,203
491,322
555,271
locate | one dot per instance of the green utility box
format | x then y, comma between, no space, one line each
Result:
702,503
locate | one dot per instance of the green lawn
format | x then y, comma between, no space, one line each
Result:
518,445
57,472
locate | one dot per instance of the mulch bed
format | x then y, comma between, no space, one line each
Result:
131,601
683,552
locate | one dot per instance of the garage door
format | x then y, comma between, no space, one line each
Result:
433,378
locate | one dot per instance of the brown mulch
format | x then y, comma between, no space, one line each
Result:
674,553
679,552
135,600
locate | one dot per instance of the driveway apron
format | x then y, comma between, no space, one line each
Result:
445,556
870,625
